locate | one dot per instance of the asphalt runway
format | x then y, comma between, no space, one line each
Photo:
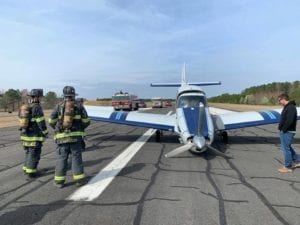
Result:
188,189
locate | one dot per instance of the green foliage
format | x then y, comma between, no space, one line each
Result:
13,95
4,103
227,98
103,99
50,100
10,100
265,94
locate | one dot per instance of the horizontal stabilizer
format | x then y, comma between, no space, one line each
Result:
165,84
180,84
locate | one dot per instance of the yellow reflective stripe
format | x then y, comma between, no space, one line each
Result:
77,117
25,138
29,143
52,120
24,168
60,178
78,177
31,170
85,120
71,134
40,119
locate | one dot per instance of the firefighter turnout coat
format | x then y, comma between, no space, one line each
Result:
73,134
36,131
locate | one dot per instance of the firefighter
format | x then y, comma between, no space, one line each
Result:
69,120
33,131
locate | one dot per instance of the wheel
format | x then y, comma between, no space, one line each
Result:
224,136
157,135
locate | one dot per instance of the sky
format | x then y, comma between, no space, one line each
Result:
103,46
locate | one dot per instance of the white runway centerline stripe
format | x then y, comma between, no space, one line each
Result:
98,183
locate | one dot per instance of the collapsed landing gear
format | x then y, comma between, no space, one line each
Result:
158,135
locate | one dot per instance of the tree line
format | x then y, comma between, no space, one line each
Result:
12,99
265,94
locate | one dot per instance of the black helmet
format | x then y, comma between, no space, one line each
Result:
80,100
69,91
36,93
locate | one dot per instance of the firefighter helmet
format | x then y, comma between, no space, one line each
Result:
69,91
36,93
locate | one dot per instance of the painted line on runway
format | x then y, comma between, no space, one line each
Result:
99,183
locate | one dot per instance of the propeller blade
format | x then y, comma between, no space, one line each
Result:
179,150
201,119
217,152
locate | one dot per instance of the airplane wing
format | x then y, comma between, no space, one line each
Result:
233,120
148,120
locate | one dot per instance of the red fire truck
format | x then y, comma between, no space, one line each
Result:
124,101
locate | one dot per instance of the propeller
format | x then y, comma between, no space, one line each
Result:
217,152
201,119
190,145
180,149
198,141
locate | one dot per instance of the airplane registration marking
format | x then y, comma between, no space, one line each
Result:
118,116
121,116
98,184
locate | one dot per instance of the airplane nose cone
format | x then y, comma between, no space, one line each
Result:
199,142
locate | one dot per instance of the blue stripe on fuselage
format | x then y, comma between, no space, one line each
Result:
192,120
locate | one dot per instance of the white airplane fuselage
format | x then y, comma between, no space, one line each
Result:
194,122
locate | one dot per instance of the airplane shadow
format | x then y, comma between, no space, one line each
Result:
257,140
173,138
34,213
165,138
131,169
94,147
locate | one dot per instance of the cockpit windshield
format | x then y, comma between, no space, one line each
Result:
190,101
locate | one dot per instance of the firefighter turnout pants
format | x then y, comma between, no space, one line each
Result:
32,158
63,152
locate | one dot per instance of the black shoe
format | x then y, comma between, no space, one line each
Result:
31,176
81,182
59,185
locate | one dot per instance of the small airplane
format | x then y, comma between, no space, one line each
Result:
195,122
